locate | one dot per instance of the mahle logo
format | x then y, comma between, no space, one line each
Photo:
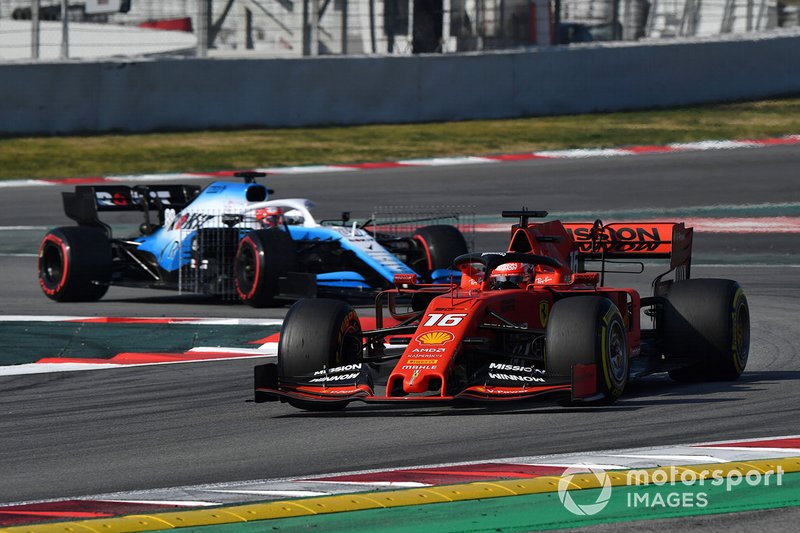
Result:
584,509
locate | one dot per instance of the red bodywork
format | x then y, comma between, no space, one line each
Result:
473,313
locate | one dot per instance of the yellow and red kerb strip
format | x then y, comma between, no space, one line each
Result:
390,499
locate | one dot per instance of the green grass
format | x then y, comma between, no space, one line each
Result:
74,156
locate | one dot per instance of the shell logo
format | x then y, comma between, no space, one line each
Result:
435,337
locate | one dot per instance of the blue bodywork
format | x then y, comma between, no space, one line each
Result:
171,244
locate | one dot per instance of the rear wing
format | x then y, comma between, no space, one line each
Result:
634,240
87,201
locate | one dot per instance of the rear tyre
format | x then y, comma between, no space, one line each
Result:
585,330
440,244
707,323
318,334
262,258
75,264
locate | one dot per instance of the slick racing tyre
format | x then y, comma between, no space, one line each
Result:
318,334
707,323
440,245
262,258
75,264
585,330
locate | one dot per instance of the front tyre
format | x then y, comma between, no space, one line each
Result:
706,322
588,330
262,258
75,264
318,334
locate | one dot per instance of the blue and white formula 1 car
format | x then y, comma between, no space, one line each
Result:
229,240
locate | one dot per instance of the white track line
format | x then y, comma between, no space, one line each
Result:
579,153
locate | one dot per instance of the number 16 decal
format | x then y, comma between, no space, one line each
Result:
444,321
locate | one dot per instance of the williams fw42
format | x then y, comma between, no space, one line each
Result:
230,240
532,321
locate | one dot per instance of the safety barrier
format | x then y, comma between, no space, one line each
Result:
193,94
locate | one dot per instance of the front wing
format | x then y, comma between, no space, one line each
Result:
268,388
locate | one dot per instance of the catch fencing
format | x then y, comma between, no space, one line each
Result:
180,94
403,221
296,28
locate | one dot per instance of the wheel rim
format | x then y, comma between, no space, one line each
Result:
248,269
52,269
617,353
351,345
741,334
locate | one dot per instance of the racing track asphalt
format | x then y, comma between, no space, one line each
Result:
80,433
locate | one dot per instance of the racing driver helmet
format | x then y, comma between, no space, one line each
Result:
270,217
512,275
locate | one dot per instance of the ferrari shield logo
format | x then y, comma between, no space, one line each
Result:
544,312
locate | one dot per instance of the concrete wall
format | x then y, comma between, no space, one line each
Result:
190,94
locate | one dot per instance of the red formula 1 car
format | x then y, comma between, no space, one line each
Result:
531,321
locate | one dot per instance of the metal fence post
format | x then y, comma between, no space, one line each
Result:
202,27
314,28
344,26
35,29
64,30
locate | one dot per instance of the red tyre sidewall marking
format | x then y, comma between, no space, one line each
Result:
427,251
52,239
247,241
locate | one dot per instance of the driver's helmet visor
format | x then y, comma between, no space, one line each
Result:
516,273
517,279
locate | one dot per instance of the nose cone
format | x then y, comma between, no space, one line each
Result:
421,381
415,383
